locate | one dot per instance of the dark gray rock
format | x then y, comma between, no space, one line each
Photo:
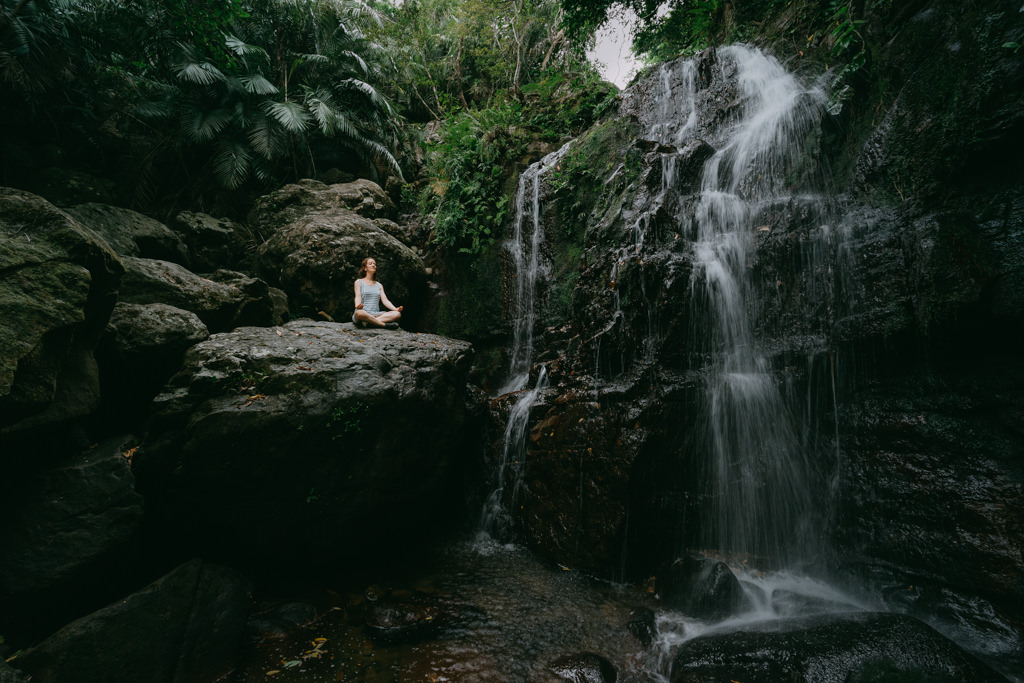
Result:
65,521
10,675
69,537
297,200
220,306
58,288
183,628
642,625
136,331
701,587
140,350
280,621
131,233
831,649
67,187
314,256
336,439
212,242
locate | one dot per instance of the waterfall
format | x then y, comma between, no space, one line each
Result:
755,490
525,251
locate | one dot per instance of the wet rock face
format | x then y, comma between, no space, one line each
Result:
931,485
324,438
886,308
864,647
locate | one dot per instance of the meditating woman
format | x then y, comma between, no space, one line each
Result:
369,299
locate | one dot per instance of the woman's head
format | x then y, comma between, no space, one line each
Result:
369,265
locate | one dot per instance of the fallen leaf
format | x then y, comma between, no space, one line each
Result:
273,671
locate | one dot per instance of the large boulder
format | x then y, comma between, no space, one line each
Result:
221,306
317,235
140,350
840,649
58,287
66,531
183,628
309,442
212,242
295,200
131,233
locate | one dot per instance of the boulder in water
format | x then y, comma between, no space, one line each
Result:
584,667
701,587
830,649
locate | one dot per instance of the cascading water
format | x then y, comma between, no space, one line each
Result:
525,251
756,479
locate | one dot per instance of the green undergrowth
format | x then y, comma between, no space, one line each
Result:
473,164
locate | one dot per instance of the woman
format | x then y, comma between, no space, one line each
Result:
369,297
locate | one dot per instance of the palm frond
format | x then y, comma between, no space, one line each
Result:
266,141
199,73
243,49
203,125
291,115
357,58
231,163
258,85
371,93
323,114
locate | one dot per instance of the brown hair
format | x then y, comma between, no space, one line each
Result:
362,266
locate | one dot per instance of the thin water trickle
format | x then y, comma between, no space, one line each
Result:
525,250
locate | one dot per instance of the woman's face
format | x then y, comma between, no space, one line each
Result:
371,266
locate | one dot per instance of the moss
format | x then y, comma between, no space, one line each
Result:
579,191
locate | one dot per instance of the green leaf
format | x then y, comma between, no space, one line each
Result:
291,115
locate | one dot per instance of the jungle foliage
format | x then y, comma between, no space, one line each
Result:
175,97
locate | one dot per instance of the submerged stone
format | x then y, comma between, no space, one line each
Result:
584,667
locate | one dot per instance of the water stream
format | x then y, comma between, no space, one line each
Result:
757,478
528,267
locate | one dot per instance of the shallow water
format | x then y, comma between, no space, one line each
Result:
505,617
498,614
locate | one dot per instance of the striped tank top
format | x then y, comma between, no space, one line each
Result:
371,297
